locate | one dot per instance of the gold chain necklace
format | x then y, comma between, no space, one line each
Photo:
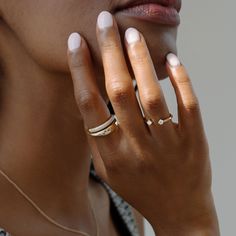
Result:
48,218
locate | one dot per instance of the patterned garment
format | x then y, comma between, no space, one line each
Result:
120,211
3,233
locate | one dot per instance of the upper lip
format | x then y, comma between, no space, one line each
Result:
168,3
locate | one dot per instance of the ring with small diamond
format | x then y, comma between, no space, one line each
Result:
149,122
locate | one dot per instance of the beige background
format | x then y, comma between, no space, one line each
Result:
206,43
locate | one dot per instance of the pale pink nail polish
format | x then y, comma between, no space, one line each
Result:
74,41
173,60
105,20
132,35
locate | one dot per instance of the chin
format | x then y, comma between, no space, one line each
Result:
160,39
158,50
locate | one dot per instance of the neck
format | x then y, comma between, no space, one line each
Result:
42,132
43,146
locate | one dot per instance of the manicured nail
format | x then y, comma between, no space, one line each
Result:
173,60
74,42
132,35
105,20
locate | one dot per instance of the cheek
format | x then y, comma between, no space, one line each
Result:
44,35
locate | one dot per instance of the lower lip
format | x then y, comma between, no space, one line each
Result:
154,13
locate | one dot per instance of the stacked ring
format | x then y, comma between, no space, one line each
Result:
111,124
104,129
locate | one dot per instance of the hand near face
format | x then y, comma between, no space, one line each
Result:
162,169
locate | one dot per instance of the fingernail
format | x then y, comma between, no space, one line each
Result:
132,35
105,20
173,60
74,41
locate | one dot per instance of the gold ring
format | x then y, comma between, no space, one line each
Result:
149,122
104,129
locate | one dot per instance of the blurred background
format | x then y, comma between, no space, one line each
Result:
206,43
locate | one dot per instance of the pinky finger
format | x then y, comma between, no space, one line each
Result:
188,105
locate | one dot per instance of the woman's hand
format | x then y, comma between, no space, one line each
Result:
161,170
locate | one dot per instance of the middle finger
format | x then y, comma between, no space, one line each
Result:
118,81
151,95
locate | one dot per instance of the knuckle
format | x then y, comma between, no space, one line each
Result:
77,61
119,93
109,45
86,100
192,105
140,58
184,80
153,102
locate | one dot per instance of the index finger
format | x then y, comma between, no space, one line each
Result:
91,105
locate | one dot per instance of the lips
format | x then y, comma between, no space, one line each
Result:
164,12
176,4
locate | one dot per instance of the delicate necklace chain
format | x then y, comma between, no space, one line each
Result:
48,218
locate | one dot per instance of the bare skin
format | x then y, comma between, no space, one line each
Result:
43,144
170,163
